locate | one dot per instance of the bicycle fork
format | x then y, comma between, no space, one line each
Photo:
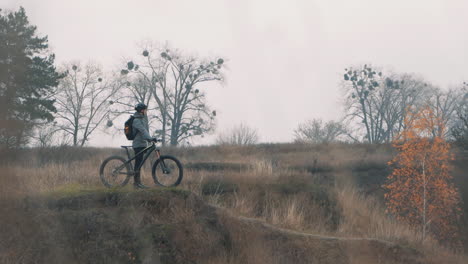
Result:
163,165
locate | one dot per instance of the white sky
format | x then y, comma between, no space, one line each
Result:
285,58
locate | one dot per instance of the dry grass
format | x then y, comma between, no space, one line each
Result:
306,188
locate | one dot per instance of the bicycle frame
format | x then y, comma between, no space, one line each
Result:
149,150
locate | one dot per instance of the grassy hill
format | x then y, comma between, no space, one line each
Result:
278,203
169,226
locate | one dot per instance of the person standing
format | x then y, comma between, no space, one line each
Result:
140,142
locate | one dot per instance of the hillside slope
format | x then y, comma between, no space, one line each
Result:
166,226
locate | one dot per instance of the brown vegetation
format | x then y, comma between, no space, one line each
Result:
420,188
253,204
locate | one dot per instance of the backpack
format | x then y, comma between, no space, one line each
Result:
128,130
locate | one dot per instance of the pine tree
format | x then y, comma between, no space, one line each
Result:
420,190
27,78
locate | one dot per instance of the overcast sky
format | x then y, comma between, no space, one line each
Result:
285,58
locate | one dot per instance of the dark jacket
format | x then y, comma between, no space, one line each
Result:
141,128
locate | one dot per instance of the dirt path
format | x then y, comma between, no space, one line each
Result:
323,237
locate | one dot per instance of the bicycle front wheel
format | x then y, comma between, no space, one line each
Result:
114,172
167,171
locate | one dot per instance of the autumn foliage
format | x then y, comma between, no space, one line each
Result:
420,190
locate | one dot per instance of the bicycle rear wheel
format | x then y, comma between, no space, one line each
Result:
167,171
114,172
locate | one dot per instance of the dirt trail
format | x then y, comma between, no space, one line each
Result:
322,237
314,248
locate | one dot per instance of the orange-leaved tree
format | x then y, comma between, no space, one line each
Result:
420,189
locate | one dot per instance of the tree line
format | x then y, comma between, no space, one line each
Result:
65,105
376,104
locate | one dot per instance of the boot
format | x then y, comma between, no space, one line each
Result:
137,182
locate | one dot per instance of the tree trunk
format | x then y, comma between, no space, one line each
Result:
424,213
75,135
163,130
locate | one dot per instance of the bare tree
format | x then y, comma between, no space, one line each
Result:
170,82
48,135
238,135
378,103
459,130
360,85
399,92
315,131
445,104
83,101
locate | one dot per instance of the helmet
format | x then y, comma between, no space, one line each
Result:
140,106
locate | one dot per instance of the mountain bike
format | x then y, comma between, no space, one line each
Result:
116,171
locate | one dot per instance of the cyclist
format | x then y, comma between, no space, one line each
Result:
140,142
